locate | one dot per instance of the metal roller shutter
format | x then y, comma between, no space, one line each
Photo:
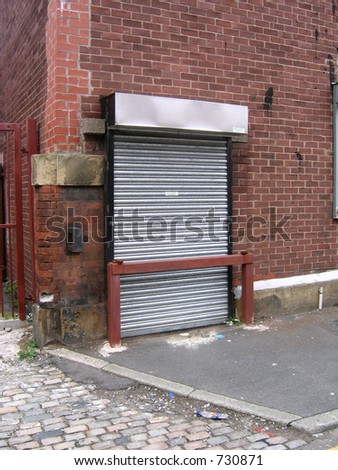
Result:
171,201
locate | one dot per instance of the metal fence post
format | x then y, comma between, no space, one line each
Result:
114,308
20,274
247,289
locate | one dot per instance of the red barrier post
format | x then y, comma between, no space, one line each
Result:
247,289
114,307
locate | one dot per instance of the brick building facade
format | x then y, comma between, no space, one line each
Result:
59,58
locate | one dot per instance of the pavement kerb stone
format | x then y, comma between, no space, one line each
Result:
245,407
312,424
317,423
148,379
77,357
14,324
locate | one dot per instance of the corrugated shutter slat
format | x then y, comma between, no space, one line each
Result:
165,188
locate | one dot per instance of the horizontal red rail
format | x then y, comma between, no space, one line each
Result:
177,264
4,126
118,268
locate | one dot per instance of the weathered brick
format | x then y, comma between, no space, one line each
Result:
259,445
88,441
75,429
19,440
36,417
159,446
139,437
180,441
198,436
51,404
237,444
132,431
28,445
11,392
51,441
195,445
276,440
222,431
276,447
157,432
29,432
257,437
7,410
104,445
96,432
76,436
217,440
117,427
295,444
156,440
65,445
238,434
287,161
20,396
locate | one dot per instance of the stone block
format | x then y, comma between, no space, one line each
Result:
92,126
83,323
80,170
44,169
70,169
46,325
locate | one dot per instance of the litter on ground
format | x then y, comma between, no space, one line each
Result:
212,415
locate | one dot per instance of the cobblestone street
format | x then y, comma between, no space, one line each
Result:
42,407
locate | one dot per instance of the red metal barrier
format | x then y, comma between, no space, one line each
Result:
119,268
32,148
14,221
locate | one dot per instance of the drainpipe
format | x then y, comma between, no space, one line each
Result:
335,149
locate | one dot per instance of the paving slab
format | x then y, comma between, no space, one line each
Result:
13,324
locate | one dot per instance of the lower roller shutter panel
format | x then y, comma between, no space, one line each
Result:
171,201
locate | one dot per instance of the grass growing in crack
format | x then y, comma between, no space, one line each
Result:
28,351
8,316
10,289
233,321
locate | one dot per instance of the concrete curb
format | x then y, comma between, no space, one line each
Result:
312,424
14,324
77,357
317,423
245,407
147,379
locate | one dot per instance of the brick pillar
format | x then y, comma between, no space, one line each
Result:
68,29
71,304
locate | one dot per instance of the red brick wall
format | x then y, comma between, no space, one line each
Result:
73,278
23,86
227,51
67,31
42,80
24,70
234,52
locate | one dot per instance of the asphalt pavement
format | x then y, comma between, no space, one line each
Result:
283,369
